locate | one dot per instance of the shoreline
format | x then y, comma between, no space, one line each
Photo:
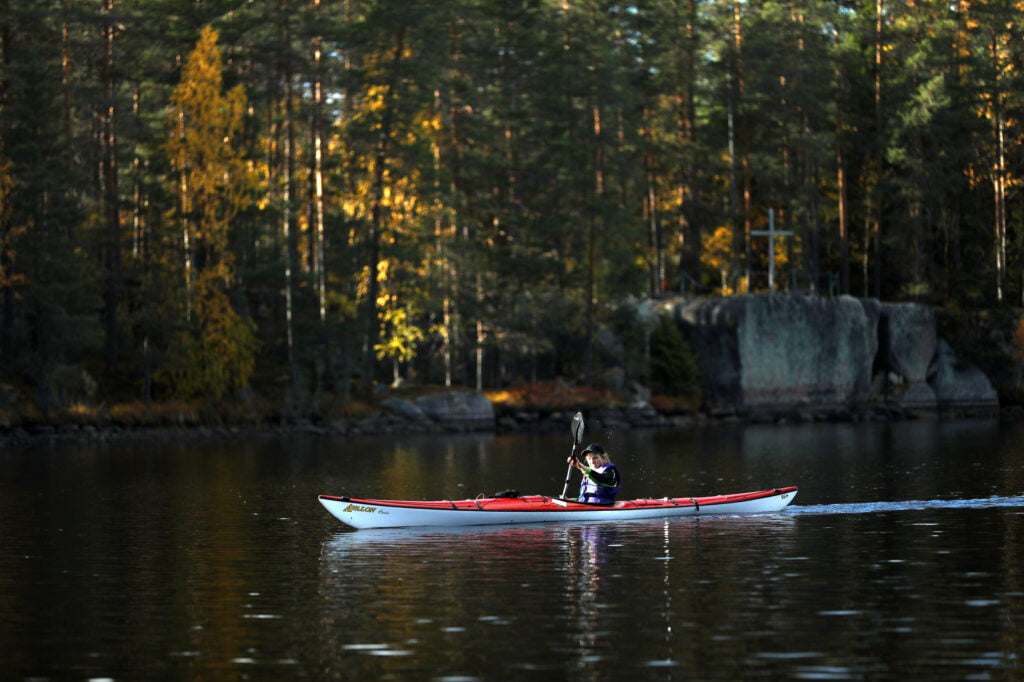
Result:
513,421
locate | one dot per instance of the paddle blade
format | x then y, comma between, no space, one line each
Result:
577,428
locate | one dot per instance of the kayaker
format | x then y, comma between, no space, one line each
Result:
601,479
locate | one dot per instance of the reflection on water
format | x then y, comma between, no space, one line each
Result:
572,592
901,560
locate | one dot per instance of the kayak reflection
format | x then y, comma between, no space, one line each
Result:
421,603
590,533
591,550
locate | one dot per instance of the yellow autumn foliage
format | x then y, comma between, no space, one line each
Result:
216,349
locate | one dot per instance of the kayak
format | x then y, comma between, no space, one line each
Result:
362,513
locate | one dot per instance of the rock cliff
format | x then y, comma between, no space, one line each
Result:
762,353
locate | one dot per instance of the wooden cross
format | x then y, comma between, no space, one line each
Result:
771,233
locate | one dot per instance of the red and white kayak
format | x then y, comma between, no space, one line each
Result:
360,513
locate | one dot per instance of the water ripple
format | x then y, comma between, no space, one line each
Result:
908,505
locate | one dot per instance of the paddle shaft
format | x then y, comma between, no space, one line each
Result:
568,473
577,437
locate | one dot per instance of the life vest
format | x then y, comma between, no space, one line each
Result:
600,494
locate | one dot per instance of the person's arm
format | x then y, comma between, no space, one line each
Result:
605,478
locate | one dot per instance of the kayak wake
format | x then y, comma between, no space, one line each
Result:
907,505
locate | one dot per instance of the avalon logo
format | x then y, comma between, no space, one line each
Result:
357,508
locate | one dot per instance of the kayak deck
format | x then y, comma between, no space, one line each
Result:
371,513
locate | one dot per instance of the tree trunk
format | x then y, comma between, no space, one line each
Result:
999,198
479,349
450,274
111,210
689,207
744,134
843,217
595,222
377,214
185,211
288,225
655,243
316,131
876,190
734,200
317,188
6,255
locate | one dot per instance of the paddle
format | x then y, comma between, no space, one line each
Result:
577,438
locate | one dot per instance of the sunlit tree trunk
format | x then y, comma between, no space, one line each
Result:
655,242
377,211
185,211
138,237
842,209
317,135
441,241
480,334
289,227
843,213
450,272
999,192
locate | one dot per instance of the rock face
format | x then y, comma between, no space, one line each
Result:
762,353
908,339
958,385
458,410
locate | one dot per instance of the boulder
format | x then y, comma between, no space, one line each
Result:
403,408
460,410
613,378
959,385
636,396
763,352
907,342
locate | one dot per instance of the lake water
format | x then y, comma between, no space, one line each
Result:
902,558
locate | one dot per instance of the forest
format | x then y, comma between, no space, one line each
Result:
214,199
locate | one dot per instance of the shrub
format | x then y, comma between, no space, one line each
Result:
549,396
674,369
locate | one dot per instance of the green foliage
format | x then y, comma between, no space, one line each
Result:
510,171
400,336
674,370
218,355
987,339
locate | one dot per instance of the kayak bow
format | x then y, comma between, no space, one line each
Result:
363,513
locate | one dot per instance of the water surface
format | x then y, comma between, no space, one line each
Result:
900,559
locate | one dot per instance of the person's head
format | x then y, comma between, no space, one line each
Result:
595,455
